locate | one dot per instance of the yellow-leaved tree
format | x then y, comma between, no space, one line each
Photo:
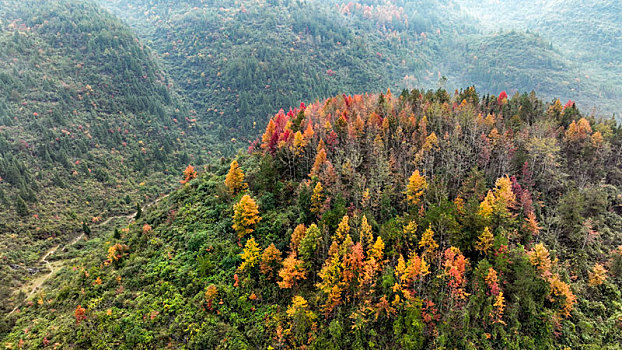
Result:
428,243
484,241
415,188
235,179
245,216
250,255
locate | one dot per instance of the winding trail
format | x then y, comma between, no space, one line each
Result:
54,266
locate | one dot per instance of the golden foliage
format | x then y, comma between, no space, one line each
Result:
320,159
366,236
415,188
343,229
560,291
235,179
487,205
270,258
250,255
245,216
504,196
297,236
484,241
428,243
317,199
597,276
539,258
578,131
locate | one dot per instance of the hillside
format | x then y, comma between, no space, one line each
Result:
428,220
89,127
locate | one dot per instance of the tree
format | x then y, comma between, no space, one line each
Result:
317,199
428,243
455,265
297,236
486,207
86,229
561,294
484,241
539,258
20,207
270,259
250,255
189,174
139,212
210,295
79,314
245,216
365,235
415,188
301,320
235,179
597,276
343,229
310,243
293,270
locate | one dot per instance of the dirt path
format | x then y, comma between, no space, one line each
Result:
54,266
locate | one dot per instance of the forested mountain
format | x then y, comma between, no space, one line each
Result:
238,61
88,127
428,220
432,216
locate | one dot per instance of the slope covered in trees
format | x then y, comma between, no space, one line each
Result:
369,221
237,61
89,126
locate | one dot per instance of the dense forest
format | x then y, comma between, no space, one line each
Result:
424,220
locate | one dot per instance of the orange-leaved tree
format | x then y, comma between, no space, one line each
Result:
189,174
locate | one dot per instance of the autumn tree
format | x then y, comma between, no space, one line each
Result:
484,241
297,236
597,276
455,265
415,188
301,320
427,242
317,199
210,295
189,174
245,216
292,271
270,260
235,179
250,255
79,314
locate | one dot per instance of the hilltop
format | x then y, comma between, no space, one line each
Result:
421,220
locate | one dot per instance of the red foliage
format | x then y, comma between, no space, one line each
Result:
502,96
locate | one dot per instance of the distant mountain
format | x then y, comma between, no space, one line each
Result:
237,61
